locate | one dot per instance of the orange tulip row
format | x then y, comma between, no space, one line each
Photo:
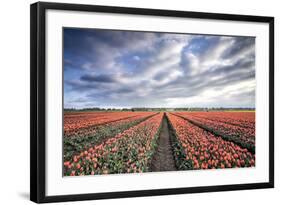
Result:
87,119
129,151
91,130
241,119
240,133
207,151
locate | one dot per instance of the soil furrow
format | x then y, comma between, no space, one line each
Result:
163,159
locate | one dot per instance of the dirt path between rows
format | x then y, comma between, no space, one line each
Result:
163,159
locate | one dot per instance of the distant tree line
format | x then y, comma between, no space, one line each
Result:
212,109
95,109
158,109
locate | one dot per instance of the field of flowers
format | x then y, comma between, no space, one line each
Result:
73,122
241,119
203,150
128,151
126,142
81,138
238,127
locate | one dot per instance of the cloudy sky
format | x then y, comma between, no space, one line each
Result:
105,68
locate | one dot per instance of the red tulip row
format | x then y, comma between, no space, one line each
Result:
240,135
91,130
241,119
129,151
83,138
204,150
87,119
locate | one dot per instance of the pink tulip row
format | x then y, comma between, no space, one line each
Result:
90,130
206,151
241,119
129,151
79,120
245,135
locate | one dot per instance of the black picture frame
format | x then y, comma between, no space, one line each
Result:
38,97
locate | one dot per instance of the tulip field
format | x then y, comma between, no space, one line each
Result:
118,142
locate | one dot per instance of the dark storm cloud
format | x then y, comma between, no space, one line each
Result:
98,78
79,86
125,90
97,49
129,69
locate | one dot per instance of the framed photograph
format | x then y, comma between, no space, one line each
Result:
129,102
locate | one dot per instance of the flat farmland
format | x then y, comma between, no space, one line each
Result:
133,142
